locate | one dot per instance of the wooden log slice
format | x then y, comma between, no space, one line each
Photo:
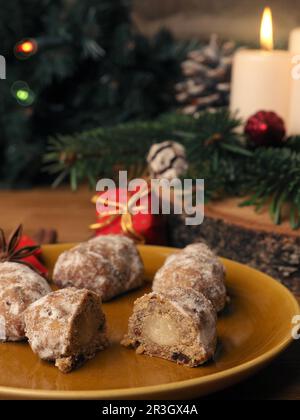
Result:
241,234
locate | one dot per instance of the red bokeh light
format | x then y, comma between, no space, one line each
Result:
25,48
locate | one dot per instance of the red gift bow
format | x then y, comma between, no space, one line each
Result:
122,211
33,260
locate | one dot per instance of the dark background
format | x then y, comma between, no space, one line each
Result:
239,19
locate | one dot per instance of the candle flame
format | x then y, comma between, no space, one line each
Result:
266,30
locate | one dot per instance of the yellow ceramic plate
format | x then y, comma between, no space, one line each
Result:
254,329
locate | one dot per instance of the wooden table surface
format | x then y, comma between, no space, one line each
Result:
71,213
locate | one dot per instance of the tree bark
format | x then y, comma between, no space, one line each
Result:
247,237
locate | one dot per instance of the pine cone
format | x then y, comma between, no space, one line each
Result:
207,75
167,160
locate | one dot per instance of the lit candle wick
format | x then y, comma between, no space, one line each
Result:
266,31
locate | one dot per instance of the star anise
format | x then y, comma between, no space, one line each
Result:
9,251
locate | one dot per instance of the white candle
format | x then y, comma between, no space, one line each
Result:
261,78
294,44
294,47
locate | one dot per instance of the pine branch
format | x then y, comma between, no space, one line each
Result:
273,175
216,151
94,153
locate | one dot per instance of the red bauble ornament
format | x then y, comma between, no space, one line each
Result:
265,129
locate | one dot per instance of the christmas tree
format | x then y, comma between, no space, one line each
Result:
74,65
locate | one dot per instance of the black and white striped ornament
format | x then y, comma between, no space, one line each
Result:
167,160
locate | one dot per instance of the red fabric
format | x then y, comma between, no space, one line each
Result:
33,259
151,227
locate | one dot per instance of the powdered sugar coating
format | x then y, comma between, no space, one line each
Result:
19,287
54,330
52,313
196,267
108,265
195,305
194,316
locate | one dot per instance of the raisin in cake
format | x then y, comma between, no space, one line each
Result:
108,265
178,325
19,287
66,327
197,267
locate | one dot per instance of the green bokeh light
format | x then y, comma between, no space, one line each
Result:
22,95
